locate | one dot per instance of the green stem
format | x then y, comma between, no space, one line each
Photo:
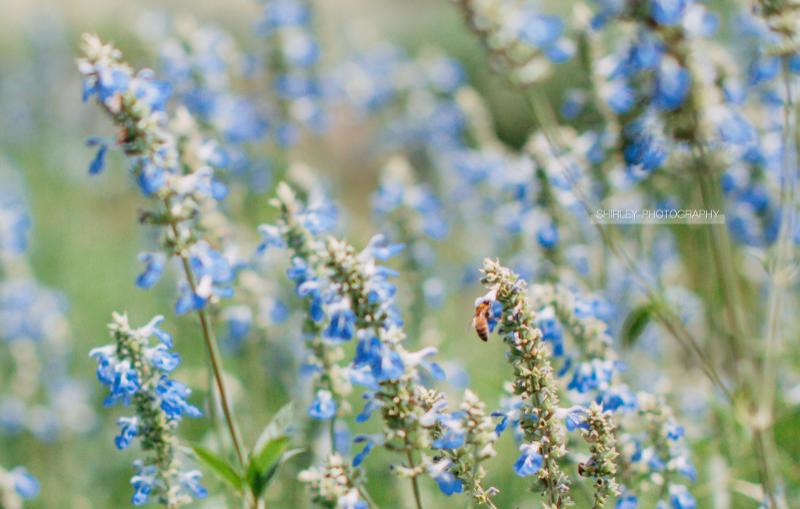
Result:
213,349
414,483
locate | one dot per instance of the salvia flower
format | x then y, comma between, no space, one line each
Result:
136,372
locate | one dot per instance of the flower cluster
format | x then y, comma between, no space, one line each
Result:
335,485
534,384
632,439
352,294
294,54
136,103
137,374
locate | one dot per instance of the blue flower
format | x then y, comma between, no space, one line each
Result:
125,384
190,481
150,178
358,459
108,83
370,406
162,358
667,12
270,237
575,418
151,92
591,375
674,430
129,429
672,86
643,152
143,483
627,501
447,482
187,300
173,396
547,236
26,485
323,407
154,267
379,247
680,498
99,161
529,461
384,363
540,31
342,323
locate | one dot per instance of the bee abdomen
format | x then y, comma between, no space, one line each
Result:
482,328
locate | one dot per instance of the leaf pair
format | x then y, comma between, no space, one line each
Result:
269,453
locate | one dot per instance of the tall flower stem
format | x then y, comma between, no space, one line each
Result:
779,269
212,347
414,483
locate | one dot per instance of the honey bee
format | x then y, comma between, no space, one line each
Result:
481,320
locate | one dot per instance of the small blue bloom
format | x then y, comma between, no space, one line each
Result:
99,161
680,498
129,428
451,439
674,431
447,482
672,86
150,178
270,237
190,481
627,501
143,483
342,324
529,461
26,485
576,418
154,267
173,396
547,236
667,12
323,407
370,406
540,31
358,459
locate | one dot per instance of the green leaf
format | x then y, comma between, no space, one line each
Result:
219,466
260,480
268,453
261,462
635,324
277,427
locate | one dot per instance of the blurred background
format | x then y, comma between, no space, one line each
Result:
84,239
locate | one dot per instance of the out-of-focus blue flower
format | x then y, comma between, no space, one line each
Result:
627,501
667,12
323,407
25,484
680,498
447,482
154,267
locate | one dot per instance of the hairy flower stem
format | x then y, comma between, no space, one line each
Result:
213,351
414,483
